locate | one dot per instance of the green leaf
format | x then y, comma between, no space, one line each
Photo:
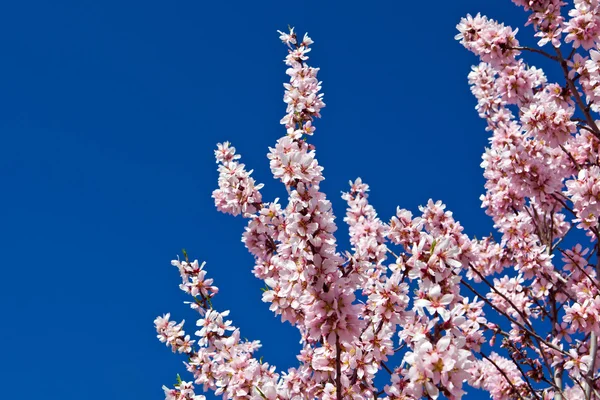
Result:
260,392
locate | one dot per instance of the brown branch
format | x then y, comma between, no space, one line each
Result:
503,374
554,195
525,318
524,375
501,312
553,385
580,269
538,51
514,321
387,368
586,128
584,109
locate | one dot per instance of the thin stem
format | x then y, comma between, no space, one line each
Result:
525,319
524,376
387,368
576,265
584,109
503,374
586,128
514,321
392,253
563,203
538,51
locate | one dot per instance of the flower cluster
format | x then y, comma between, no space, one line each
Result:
220,361
583,28
237,192
493,42
546,19
542,171
172,334
302,96
183,391
584,192
416,286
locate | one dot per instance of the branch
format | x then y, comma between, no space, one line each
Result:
576,265
387,368
554,195
538,51
524,375
525,318
514,321
503,374
584,109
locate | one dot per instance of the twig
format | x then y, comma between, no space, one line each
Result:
387,368
524,376
588,117
525,319
538,51
503,374
514,321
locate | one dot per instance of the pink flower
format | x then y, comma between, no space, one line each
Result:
435,302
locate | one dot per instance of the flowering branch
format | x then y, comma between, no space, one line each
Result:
586,111
356,308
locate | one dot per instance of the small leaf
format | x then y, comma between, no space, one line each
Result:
260,392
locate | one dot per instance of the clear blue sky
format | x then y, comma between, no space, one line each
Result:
109,114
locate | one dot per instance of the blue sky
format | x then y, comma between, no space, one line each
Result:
109,114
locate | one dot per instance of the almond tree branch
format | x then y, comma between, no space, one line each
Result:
514,321
531,389
538,51
525,319
503,374
584,109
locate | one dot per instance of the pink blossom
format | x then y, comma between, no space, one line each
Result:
401,288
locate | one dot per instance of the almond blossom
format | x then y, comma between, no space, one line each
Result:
516,313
